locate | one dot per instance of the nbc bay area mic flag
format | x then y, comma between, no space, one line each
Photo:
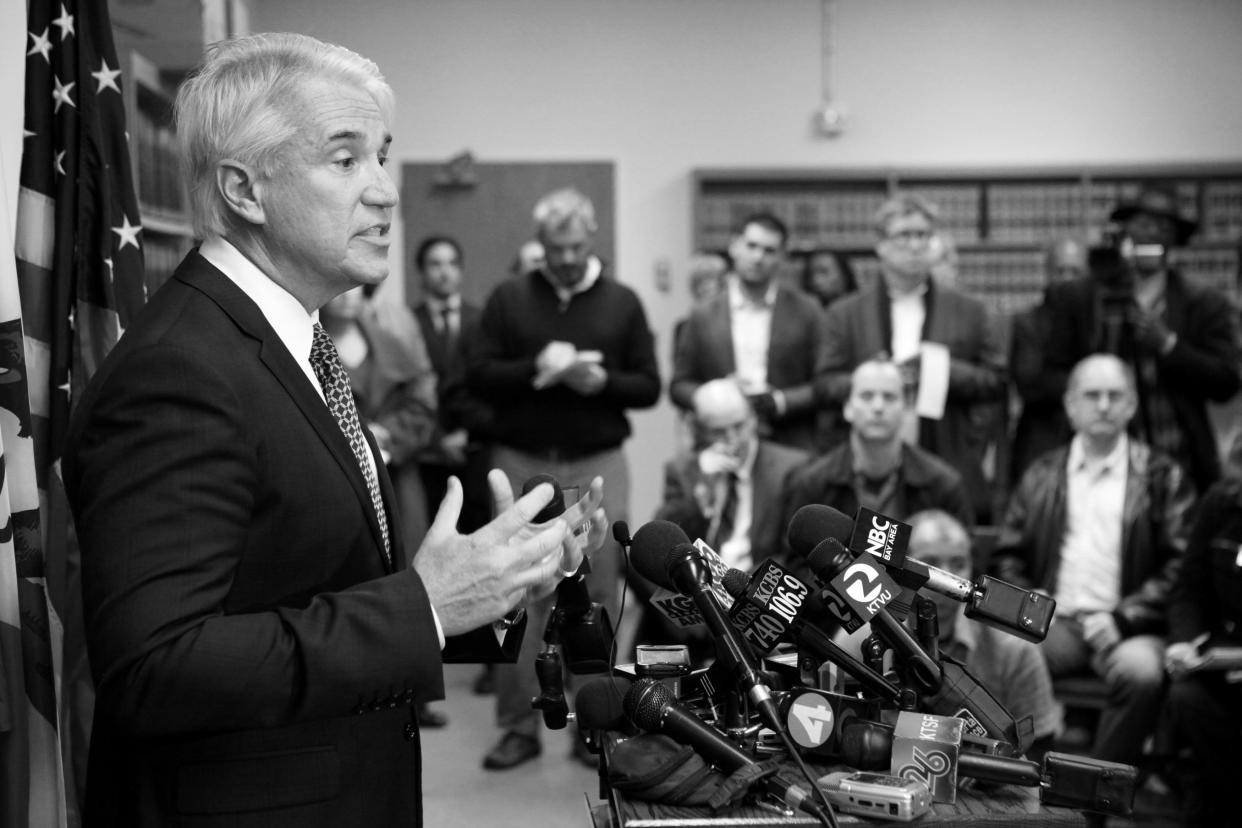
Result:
74,282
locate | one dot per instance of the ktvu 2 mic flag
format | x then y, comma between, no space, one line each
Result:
75,280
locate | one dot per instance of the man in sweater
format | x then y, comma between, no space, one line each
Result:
562,353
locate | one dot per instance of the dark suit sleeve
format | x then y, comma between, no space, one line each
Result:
839,357
1207,359
687,373
210,605
982,375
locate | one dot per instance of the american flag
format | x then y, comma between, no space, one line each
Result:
75,281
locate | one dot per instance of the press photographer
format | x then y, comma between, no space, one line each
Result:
1178,337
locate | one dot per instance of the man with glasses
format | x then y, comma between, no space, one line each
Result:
948,347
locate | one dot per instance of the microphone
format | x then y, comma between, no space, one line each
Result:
927,748
577,625
651,706
663,554
863,590
600,703
1021,612
766,617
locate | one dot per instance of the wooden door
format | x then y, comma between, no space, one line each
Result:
487,208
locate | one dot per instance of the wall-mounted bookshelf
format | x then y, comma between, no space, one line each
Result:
166,233
999,219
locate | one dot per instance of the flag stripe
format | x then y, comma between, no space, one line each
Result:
36,219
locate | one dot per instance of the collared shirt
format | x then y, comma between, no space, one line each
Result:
907,313
594,269
1089,578
293,325
735,550
445,310
751,323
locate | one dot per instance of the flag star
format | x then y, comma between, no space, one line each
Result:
42,44
128,233
64,23
61,93
60,156
106,77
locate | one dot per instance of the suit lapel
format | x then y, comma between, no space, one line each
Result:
239,307
720,334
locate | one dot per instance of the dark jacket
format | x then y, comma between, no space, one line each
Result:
521,317
1157,499
859,328
242,622
704,351
927,482
1207,597
1203,365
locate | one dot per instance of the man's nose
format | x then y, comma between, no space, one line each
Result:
382,191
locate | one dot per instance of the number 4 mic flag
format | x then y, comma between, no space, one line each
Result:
76,279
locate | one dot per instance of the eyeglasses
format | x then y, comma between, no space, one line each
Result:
910,236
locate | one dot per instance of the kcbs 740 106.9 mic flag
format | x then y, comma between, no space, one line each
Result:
65,297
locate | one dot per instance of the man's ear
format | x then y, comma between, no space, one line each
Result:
242,190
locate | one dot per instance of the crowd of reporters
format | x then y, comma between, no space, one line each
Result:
1073,436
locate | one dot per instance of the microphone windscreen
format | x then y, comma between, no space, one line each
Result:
735,582
646,703
649,552
825,559
600,703
556,506
814,523
866,745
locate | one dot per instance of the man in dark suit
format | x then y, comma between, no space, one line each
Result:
446,321
257,635
767,336
949,347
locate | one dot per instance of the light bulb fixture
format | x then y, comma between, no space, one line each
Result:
829,118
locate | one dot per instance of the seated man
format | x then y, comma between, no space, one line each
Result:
1205,614
1010,668
1097,524
728,490
875,467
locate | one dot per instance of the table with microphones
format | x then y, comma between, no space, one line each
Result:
784,727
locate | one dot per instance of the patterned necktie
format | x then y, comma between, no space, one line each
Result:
335,384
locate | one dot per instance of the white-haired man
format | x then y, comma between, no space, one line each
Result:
562,354
258,637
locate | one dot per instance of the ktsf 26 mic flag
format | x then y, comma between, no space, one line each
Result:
65,297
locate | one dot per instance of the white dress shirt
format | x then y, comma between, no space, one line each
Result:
1089,578
751,323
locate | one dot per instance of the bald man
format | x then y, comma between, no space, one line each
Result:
1098,525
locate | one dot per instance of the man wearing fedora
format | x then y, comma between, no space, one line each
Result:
1179,337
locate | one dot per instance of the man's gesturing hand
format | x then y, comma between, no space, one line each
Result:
474,579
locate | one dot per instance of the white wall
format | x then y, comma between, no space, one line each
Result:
663,86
